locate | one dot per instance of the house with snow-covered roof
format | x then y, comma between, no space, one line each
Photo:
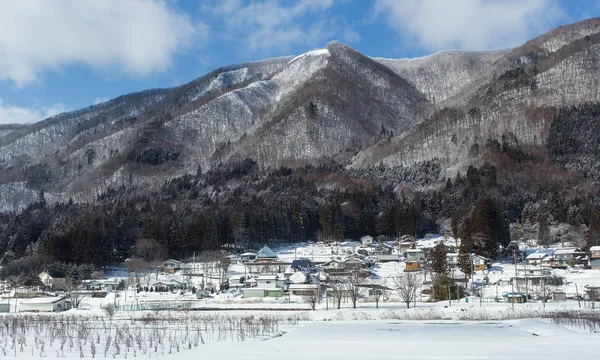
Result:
564,256
538,257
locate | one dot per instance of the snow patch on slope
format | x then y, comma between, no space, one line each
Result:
317,52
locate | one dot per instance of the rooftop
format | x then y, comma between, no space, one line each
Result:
266,253
43,300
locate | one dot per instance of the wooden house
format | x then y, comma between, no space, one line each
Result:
479,262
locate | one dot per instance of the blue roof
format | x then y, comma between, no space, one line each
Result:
266,253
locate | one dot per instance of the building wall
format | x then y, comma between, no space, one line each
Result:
49,307
253,293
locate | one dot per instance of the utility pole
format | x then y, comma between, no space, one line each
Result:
512,293
526,280
449,297
472,275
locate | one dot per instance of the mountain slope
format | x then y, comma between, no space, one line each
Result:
333,103
517,97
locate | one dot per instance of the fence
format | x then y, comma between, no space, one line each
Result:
157,305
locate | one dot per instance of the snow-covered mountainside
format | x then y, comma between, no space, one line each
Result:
442,75
332,103
516,97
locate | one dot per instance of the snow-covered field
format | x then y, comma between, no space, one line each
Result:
518,339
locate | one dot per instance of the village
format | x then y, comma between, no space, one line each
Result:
305,276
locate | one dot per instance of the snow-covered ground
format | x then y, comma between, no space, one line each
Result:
520,339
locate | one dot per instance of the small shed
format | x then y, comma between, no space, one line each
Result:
559,296
4,307
479,263
516,298
44,304
412,265
202,294
261,293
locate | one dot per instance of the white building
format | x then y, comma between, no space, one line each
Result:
44,304
415,254
367,241
269,281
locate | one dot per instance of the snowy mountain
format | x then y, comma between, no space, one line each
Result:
328,104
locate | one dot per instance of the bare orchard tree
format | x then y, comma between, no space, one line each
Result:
312,298
407,284
74,293
354,286
110,309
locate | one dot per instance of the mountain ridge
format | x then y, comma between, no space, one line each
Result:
327,104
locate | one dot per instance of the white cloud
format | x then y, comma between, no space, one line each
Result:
99,100
468,24
264,26
350,35
20,115
134,37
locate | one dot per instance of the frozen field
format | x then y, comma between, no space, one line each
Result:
463,331
518,339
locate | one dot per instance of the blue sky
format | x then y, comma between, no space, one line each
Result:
63,55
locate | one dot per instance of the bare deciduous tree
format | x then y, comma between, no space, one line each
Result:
74,293
337,290
312,298
407,284
378,291
354,288
150,249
